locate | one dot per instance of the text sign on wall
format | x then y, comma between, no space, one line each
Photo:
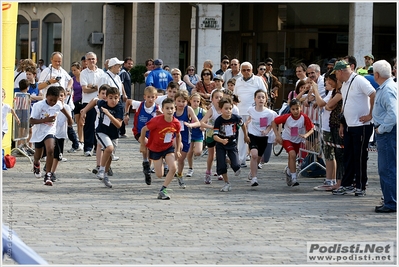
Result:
209,23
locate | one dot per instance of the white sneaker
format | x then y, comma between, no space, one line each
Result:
225,188
190,173
80,147
248,158
208,179
87,154
101,174
254,181
114,158
237,173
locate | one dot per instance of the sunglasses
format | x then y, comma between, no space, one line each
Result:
191,70
225,62
262,69
269,64
175,73
246,70
206,74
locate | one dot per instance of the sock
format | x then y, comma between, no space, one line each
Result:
288,171
293,175
208,172
145,160
162,188
102,168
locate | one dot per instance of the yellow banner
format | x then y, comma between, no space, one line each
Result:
9,36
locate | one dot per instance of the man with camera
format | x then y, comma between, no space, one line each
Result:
55,75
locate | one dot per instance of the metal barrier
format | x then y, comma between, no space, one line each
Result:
21,131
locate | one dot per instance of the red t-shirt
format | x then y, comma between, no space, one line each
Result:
162,133
294,127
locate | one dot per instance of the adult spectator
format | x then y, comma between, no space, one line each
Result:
245,88
273,84
300,72
126,80
368,61
313,73
90,80
76,69
224,65
19,73
385,118
191,78
54,74
83,62
351,61
370,77
40,68
208,64
233,72
394,70
331,63
358,101
166,67
158,77
206,85
261,70
176,74
105,69
149,65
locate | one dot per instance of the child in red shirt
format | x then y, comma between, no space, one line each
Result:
163,129
297,127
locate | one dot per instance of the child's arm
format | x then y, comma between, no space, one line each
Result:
220,140
314,90
127,109
39,121
244,129
115,121
309,126
68,115
15,116
143,148
178,143
204,120
276,133
306,135
89,106
195,122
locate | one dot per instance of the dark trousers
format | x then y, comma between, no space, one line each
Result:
232,153
356,141
73,137
122,130
88,129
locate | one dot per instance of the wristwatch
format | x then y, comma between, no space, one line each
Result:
127,113
48,82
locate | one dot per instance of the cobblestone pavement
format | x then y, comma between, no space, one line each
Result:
80,221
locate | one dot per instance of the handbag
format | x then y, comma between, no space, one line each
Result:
10,161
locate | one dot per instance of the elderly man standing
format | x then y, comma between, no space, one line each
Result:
158,77
313,72
55,75
234,72
245,88
385,117
357,107
90,80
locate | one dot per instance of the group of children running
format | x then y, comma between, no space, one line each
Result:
172,131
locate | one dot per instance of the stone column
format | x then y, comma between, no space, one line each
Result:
167,33
143,32
209,35
113,25
360,31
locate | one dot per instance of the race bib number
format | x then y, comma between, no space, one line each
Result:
229,130
263,122
106,120
168,138
294,131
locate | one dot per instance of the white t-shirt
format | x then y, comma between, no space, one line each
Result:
228,74
19,78
358,101
115,81
325,114
88,76
5,109
271,136
41,110
245,91
62,124
51,72
159,100
260,120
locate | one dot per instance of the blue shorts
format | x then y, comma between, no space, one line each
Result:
158,155
186,147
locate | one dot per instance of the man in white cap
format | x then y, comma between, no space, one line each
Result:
112,78
158,77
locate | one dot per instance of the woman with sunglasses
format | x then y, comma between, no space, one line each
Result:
206,85
261,70
191,78
176,74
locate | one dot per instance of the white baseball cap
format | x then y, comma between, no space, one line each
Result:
114,61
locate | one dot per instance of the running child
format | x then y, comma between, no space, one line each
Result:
225,134
107,130
163,130
259,125
188,120
297,127
197,134
145,111
61,134
44,119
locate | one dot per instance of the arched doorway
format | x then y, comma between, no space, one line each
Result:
51,35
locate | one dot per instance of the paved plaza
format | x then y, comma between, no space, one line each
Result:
80,221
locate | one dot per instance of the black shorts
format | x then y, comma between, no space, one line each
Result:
158,155
59,148
41,144
258,142
78,107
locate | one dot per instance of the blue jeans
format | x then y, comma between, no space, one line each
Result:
386,146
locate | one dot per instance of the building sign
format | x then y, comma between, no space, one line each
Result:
209,23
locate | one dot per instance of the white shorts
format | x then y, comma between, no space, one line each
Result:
105,141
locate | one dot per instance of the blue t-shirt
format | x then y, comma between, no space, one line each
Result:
159,78
105,126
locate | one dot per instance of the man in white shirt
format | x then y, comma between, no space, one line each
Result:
234,72
90,80
313,73
245,88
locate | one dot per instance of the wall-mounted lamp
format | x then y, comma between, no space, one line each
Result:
34,9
